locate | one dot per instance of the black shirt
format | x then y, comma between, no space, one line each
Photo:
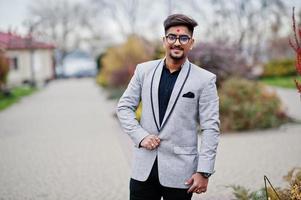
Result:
166,85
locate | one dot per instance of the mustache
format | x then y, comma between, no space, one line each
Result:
177,48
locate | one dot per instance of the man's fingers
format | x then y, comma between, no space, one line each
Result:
151,142
192,188
154,141
200,190
189,181
150,145
197,190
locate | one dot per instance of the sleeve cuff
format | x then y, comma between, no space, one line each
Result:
206,166
139,136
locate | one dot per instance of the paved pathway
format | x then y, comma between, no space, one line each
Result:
63,143
292,101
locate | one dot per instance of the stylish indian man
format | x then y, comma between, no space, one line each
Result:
178,98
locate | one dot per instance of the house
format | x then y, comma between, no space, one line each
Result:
30,60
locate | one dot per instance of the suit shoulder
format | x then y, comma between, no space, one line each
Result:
147,66
202,72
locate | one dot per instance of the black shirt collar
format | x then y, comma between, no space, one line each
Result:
167,70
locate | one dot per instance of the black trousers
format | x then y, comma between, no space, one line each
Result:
151,189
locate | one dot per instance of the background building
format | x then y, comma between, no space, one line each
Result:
30,61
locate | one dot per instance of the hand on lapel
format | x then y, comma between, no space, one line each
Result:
188,95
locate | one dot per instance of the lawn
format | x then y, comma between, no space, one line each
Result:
16,94
286,81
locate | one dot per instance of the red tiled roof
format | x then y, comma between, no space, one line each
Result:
13,41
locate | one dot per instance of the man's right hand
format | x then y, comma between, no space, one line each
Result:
150,142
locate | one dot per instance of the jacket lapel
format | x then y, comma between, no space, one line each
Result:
180,82
154,92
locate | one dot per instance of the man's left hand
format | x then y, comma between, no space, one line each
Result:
198,183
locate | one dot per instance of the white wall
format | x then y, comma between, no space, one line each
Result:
42,64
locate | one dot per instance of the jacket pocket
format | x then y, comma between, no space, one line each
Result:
185,150
188,100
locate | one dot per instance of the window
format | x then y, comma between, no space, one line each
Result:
14,63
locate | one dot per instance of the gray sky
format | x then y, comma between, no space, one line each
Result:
12,14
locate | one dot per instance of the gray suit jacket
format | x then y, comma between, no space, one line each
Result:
178,154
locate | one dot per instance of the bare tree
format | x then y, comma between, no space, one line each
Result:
123,13
245,24
127,17
64,23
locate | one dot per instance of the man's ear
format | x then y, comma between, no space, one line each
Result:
192,44
163,42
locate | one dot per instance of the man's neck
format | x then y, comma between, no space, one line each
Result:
174,65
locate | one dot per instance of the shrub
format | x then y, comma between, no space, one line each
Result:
293,191
119,62
159,51
285,67
241,193
248,105
220,59
4,69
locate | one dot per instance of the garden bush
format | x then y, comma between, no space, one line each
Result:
4,69
119,62
248,105
221,59
285,67
293,190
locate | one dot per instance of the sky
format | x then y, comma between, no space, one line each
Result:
19,10
15,21
14,12
7,20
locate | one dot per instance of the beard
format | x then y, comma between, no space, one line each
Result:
175,56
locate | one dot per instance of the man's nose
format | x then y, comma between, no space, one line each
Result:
177,42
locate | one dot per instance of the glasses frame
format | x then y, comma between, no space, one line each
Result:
177,38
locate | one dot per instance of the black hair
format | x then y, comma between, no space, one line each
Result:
180,20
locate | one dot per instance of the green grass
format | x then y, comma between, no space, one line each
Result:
285,82
16,94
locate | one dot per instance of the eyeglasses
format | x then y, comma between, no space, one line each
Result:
172,38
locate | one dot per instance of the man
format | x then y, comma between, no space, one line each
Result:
176,96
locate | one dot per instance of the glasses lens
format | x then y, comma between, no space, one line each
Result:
184,39
171,38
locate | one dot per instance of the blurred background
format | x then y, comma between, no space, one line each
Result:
77,56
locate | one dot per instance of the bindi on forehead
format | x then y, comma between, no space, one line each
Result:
178,30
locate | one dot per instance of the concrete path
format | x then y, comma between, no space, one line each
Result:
291,100
62,143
